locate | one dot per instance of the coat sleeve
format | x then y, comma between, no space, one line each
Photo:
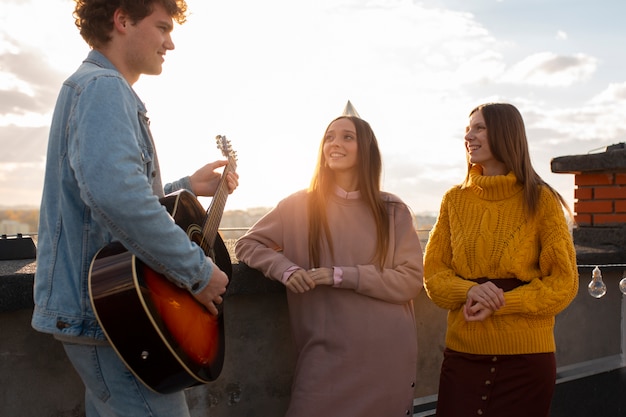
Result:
401,279
261,247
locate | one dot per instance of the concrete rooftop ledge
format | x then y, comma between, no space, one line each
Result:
606,255
258,338
16,283
612,160
16,276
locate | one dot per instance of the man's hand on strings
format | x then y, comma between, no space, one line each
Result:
212,294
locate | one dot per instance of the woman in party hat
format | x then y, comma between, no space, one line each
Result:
351,260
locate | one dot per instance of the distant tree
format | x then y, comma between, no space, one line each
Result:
29,217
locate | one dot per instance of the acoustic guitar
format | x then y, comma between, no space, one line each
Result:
167,339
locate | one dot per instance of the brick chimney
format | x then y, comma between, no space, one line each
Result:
599,201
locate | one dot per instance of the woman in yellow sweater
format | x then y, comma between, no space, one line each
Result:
501,260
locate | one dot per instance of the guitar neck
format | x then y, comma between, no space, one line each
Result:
216,208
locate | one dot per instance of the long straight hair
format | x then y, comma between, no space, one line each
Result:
506,135
369,168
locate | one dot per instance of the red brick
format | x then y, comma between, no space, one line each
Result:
583,193
620,179
609,193
601,178
593,207
620,206
583,219
609,219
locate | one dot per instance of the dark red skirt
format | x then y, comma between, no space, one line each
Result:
496,385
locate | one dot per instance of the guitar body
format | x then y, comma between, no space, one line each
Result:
163,335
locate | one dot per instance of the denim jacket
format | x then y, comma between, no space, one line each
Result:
100,173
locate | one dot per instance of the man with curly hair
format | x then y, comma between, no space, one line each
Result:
103,184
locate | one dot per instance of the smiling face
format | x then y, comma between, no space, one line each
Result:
139,47
341,148
152,36
477,146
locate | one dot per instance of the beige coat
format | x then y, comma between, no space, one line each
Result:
356,343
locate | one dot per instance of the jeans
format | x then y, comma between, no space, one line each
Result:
111,390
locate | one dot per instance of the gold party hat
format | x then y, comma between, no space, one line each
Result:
349,110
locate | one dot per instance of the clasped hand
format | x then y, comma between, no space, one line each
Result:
302,280
482,301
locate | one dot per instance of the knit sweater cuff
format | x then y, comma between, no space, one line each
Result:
459,292
512,303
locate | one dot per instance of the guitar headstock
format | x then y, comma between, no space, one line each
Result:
225,147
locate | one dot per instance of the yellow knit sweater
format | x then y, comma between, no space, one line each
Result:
483,231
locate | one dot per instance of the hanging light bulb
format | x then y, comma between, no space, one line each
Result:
596,287
622,284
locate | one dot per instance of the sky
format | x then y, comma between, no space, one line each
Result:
270,75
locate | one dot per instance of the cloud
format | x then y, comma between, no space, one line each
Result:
272,83
551,70
597,121
30,83
22,163
39,46
614,92
23,144
21,184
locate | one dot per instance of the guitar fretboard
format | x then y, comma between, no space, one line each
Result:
216,208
